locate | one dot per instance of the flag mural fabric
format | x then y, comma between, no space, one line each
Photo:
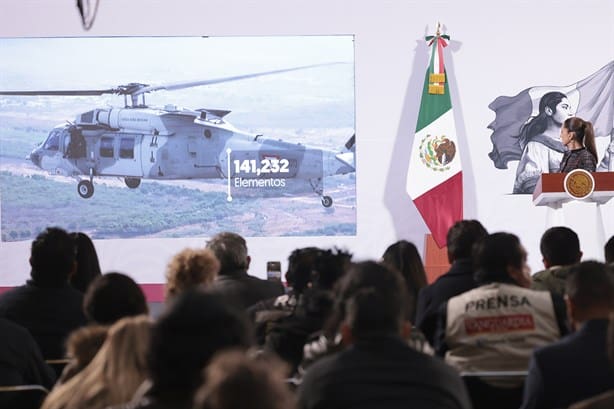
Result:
434,177
592,99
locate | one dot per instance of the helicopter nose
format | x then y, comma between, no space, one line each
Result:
35,158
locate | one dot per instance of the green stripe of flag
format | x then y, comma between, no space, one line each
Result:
432,106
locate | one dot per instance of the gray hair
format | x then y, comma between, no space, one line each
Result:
231,250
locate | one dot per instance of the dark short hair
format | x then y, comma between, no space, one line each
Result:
462,236
113,296
560,246
52,257
300,267
371,298
590,284
494,254
608,250
187,335
231,251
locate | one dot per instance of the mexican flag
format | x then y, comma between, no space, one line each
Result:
434,177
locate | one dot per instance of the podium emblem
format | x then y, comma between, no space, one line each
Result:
579,184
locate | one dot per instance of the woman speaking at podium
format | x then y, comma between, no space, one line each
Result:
579,138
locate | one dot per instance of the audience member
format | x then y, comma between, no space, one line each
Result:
608,251
460,240
577,366
114,374
88,267
234,381
190,268
298,278
560,248
378,369
113,296
47,305
404,257
233,282
195,327
82,346
288,335
604,400
21,361
496,326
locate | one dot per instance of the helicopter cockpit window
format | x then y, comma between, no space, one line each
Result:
53,141
126,148
106,147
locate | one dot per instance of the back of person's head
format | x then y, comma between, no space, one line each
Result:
560,246
611,340
88,266
300,267
608,251
590,288
461,237
114,374
190,268
328,267
187,335
235,381
370,282
52,257
496,255
112,296
231,251
81,347
404,257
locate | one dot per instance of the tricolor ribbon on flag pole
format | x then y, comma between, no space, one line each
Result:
434,177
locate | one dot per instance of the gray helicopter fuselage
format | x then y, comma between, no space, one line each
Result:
174,143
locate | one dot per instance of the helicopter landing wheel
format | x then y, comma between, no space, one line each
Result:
327,201
132,183
85,189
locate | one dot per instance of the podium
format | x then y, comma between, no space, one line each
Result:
577,203
551,188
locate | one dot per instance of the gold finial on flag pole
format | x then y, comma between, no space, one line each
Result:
438,31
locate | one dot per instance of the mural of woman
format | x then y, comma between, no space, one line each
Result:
540,142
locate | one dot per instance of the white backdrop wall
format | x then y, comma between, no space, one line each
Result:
497,48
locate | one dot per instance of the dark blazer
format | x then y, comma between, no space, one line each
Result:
382,373
21,361
457,280
243,290
49,313
572,369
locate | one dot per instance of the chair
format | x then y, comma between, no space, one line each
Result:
22,396
485,390
57,365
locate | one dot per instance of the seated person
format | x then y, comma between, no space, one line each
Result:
459,240
190,268
560,248
235,381
82,346
47,305
233,282
113,296
21,361
576,367
378,369
496,326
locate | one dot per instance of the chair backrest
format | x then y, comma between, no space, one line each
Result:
495,389
57,365
22,396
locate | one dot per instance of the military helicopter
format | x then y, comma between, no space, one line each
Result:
139,142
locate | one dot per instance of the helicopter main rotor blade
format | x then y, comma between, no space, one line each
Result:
189,84
87,92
